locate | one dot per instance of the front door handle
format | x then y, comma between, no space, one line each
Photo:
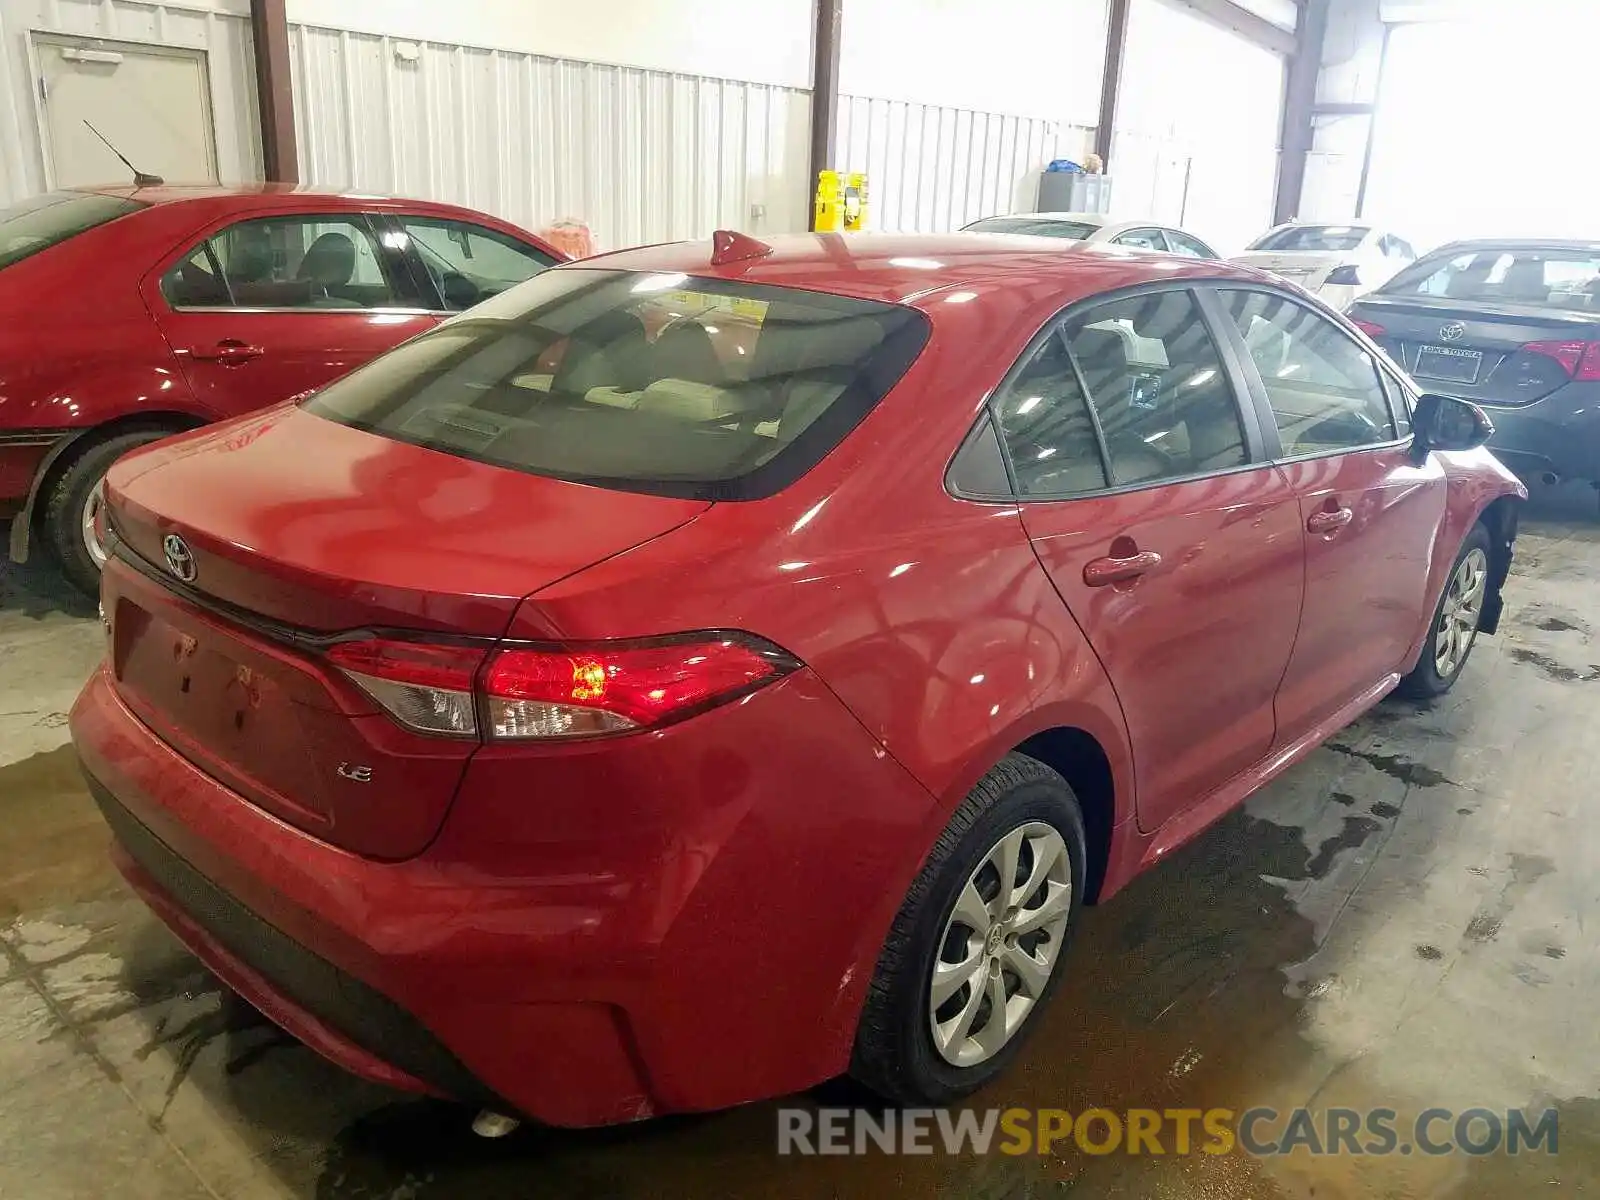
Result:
1103,571
1329,520
229,350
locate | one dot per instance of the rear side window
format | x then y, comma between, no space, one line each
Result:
1048,430
324,261
1544,278
1165,405
701,388
45,221
1142,239
1149,400
1182,243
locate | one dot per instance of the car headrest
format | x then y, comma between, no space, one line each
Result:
330,260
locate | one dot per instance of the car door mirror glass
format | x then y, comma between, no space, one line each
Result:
1450,423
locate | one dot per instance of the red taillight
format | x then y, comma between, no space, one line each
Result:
573,693
1580,360
1589,364
558,693
1371,328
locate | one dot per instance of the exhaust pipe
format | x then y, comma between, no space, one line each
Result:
489,1124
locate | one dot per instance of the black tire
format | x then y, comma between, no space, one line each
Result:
895,1055
61,522
1425,681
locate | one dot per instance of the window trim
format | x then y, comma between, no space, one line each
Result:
1399,395
369,223
1258,386
1255,443
983,427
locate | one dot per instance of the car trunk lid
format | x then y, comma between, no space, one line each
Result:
1477,351
309,530
1310,270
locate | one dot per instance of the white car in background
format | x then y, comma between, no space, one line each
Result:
1338,262
1097,229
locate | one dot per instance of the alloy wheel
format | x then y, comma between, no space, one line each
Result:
1460,613
1001,943
91,512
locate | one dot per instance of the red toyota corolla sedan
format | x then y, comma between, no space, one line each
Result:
127,314
707,669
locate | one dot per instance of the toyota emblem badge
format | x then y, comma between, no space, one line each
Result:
1452,332
180,559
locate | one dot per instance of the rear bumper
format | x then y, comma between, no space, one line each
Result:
1560,433
669,981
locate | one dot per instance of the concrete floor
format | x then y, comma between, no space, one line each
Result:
1401,921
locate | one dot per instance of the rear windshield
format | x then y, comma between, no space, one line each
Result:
51,219
1077,230
1544,278
654,383
1313,238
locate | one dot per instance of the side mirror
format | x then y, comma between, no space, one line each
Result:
1449,423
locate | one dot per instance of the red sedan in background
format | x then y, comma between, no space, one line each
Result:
127,314
592,725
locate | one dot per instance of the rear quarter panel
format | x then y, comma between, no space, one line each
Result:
929,616
77,346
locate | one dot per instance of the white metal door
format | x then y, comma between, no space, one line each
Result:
153,103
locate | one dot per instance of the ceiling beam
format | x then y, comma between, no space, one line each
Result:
1299,109
1111,79
1245,23
269,28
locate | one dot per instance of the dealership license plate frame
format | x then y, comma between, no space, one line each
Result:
1429,355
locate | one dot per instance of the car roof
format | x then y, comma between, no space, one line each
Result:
172,193
912,268
1081,218
210,201
1364,226
1580,244
226,197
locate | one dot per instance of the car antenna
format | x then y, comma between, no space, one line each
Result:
140,179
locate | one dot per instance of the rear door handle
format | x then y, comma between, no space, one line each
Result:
1103,571
229,350
1328,521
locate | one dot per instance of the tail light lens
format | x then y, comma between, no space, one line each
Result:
1371,328
563,692
1345,276
424,687
1580,360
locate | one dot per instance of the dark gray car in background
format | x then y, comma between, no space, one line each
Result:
1513,326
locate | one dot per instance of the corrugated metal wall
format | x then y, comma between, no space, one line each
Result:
642,156
223,35
931,168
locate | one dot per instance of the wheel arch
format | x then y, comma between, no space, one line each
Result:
1499,517
73,444
1078,757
